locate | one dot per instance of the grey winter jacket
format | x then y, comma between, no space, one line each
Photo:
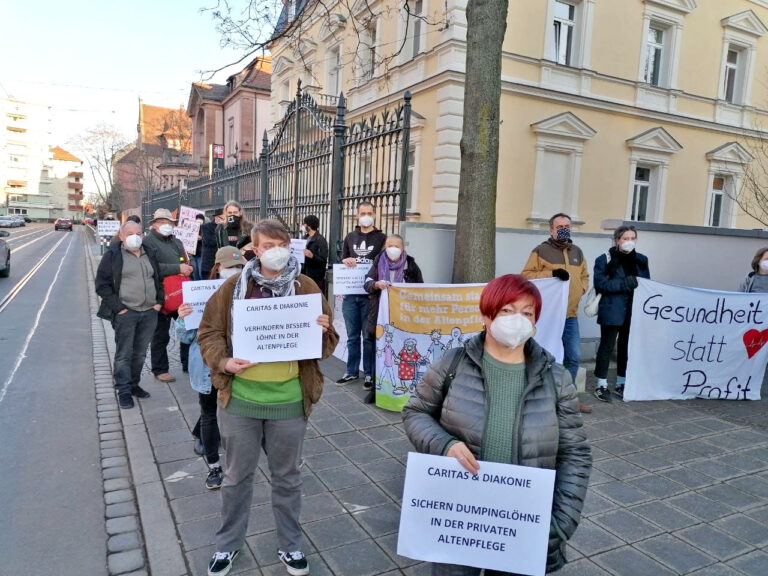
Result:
548,427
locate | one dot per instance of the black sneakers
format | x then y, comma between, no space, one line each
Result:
294,562
139,392
368,383
215,478
619,391
221,563
602,394
125,400
346,379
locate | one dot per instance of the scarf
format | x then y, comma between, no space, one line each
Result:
386,265
282,285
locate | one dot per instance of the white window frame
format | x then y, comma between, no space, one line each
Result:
367,52
582,33
730,161
727,204
333,63
415,29
741,32
742,85
415,172
670,20
652,196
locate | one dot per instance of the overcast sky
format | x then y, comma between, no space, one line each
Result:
91,60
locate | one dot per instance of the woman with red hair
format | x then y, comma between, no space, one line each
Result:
502,398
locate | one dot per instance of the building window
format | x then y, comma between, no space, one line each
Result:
413,204
366,53
285,90
333,76
732,79
641,195
717,200
564,28
412,28
654,55
231,136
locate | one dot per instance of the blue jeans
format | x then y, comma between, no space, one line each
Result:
197,261
133,333
571,347
355,311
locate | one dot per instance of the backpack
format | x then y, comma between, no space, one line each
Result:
593,297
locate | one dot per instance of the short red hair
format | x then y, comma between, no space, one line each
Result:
505,290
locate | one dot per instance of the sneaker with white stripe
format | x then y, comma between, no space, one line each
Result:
294,562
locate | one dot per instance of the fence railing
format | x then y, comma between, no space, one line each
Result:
315,164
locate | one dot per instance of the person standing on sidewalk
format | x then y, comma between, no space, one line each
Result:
360,248
197,259
233,231
316,252
558,257
128,282
266,402
172,258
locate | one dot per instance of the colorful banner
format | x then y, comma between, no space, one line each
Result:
418,323
497,519
694,343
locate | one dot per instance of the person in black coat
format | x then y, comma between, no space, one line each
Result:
316,252
208,246
391,266
616,275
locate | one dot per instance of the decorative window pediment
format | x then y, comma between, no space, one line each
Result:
564,125
730,153
332,24
363,9
281,65
679,5
747,22
304,47
655,140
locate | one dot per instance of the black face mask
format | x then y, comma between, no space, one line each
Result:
233,222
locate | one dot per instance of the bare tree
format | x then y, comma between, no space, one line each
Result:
99,146
752,196
475,245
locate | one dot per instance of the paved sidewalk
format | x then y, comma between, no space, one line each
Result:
677,488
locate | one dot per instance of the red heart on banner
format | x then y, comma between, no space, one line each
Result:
754,340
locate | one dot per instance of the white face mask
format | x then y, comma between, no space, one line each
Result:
165,229
393,253
275,258
764,265
133,242
303,230
512,330
627,246
225,273
365,221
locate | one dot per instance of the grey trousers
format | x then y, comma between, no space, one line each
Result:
241,438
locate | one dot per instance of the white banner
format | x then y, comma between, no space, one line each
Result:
187,213
188,232
277,329
298,245
197,294
694,343
498,519
348,280
418,323
108,227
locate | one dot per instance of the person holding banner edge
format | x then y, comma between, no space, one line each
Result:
266,402
616,280
757,280
360,248
502,398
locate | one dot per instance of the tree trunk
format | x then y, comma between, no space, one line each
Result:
475,248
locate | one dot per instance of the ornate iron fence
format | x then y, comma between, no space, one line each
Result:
315,164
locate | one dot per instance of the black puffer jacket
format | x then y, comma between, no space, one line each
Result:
548,427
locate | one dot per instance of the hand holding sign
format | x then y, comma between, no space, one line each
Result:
237,365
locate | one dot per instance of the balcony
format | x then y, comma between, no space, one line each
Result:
75,175
75,185
75,207
17,183
75,196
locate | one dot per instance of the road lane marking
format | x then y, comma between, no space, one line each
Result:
23,353
26,234
15,249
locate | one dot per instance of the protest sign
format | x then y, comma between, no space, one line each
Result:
348,280
187,213
694,343
298,245
197,294
188,232
498,519
418,323
277,329
108,227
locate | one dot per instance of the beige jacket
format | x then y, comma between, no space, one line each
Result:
215,339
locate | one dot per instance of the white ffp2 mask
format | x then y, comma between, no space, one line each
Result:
276,258
133,242
511,330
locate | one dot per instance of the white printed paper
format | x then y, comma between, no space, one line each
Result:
197,293
188,232
298,245
108,227
348,280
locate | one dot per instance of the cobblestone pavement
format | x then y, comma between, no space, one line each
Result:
677,488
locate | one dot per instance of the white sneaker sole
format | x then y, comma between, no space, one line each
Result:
296,571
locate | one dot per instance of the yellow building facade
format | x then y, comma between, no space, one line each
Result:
647,110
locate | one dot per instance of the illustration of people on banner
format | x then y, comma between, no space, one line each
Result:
419,323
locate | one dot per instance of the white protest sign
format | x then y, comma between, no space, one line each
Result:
277,329
348,280
496,520
187,213
694,343
188,232
298,245
196,294
108,227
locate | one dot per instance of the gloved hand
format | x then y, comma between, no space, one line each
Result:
631,282
561,273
